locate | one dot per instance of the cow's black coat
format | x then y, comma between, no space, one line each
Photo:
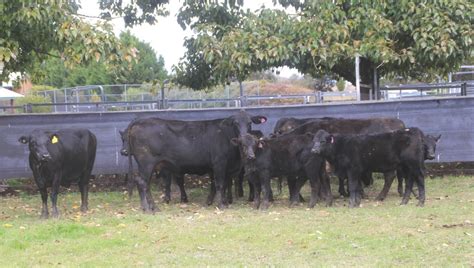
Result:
61,158
289,156
196,147
355,155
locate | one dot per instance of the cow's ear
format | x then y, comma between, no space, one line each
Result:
259,119
121,132
261,143
235,141
437,138
54,138
330,139
23,139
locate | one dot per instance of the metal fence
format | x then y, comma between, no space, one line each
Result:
452,117
428,90
138,97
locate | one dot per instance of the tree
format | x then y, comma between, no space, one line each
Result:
36,30
146,67
394,37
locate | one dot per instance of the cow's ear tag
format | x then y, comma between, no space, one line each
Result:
260,145
332,139
54,139
263,120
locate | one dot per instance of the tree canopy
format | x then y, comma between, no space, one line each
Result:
32,31
395,36
146,67
399,37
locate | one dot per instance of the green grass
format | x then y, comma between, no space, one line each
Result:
116,233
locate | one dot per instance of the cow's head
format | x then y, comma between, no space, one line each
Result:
429,146
39,142
124,136
248,145
286,126
323,143
242,121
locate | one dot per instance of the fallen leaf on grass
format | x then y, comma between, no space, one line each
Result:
7,225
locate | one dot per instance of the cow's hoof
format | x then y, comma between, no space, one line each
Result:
264,206
84,209
353,205
293,204
379,198
222,206
184,200
404,202
55,215
420,204
44,216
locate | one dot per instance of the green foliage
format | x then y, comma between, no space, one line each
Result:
35,99
36,30
144,68
341,84
398,37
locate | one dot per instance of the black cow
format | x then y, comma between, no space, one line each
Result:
288,156
355,155
61,158
165,174
287,124
196,147
351,126
429,150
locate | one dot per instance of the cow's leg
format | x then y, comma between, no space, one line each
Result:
220,184
180,182
266,189
167,178
292,190
251,191
408,188
353,180
400,177
420,180
388,180
239,182
143,184
280,184
44,198
54,194
315,182
326,186
212,192
84,188
342,186
257,186
298,185
228,191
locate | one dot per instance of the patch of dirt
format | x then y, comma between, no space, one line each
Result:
100,183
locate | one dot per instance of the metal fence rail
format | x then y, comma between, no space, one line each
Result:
452,117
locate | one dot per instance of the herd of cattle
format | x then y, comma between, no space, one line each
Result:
229,150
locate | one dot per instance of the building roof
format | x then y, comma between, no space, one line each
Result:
6,94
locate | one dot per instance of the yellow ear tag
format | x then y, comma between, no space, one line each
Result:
54,140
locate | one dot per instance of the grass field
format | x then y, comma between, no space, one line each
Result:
116,233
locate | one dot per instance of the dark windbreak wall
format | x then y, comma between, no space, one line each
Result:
451,117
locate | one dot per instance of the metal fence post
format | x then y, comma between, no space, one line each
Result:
464,89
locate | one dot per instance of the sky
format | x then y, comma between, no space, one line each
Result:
166,36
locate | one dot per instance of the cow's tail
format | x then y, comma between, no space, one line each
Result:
131,179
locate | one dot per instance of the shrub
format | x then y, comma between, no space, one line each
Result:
34,99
